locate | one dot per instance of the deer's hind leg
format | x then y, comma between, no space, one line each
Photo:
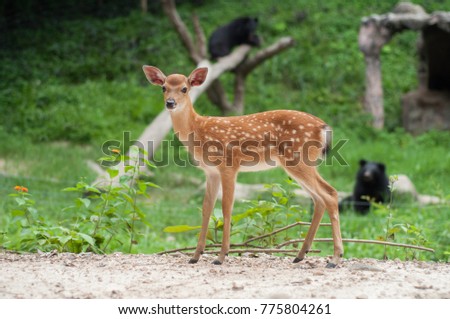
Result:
324,197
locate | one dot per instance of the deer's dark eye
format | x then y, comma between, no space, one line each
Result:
184,90
164,89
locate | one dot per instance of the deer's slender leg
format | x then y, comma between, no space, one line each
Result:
332,205
324,196
212,188
228,178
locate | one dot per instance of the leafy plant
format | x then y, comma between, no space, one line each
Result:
35,232
263,216
107,213
101,217
414,235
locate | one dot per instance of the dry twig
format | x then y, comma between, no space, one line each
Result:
246,247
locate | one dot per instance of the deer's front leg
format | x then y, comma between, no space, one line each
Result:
212,188
228,183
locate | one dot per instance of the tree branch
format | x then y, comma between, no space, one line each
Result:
218,96
250,64
363,241
264,54
262,250
282,251
200,38
224,64
238,251
171,12
281,230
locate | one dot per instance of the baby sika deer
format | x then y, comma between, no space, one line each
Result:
223,146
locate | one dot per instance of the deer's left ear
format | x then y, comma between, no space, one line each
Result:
198,76
154,75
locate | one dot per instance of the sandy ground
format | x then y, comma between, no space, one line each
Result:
153,276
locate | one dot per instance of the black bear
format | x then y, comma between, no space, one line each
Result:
237,32
372,184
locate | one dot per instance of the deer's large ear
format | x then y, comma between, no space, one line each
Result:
154,75
198,76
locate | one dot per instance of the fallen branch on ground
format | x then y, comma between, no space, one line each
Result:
246,247
359,241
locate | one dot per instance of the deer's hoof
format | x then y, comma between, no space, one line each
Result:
217,262
331,265
297,260
193,261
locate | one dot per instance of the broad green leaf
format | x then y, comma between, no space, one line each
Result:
180,228
93,189
107,159
87,238
64,239
237,218
149,164
209,235
277,194
129,168
142,187
128,198
113,172
219,224
20,201
124,179
150,184
17,212
32,210
85,201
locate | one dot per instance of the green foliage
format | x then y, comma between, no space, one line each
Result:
385,222
409,233
102,221
71,83
262,216
81,112
80,82
269,215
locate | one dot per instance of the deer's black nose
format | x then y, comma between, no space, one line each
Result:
170,103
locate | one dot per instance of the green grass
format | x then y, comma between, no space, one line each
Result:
67,90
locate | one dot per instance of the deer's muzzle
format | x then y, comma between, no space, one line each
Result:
170,103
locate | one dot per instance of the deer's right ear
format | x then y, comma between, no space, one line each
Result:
154,75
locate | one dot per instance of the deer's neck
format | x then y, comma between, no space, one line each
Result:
184,122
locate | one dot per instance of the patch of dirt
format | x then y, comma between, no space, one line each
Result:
152,276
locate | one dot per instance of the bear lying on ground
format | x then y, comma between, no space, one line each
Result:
237,32
372,184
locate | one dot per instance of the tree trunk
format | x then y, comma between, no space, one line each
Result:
372,37
373,99
144,6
